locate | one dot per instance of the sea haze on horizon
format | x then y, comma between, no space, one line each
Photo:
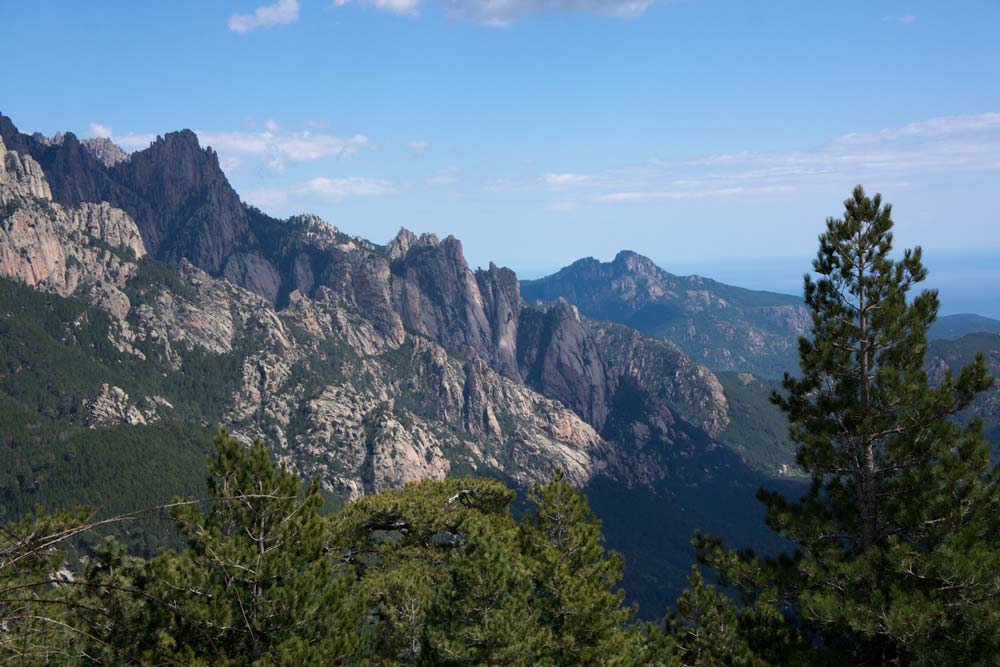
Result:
968,281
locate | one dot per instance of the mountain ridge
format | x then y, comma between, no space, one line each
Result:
366,365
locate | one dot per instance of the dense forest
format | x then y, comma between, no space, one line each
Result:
893,557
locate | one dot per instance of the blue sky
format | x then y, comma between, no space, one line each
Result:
712,136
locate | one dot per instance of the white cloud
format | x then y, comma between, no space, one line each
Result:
906,19
271,125
230,164
134,141
272,149
565,179
947,144
941,126
504,12
287,146
99,130
700,193
319,190
406,7
417,144
281,12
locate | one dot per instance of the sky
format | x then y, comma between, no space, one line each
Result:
714,137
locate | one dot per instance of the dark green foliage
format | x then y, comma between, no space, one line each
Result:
54,351
401,544
484,612
113,469
254,586
706,630
576,594
899,535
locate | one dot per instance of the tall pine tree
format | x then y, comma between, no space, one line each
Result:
898,537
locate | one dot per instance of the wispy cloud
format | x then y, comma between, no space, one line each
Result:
417,144
491,12
406,7
905,19
941,126
900,155
693,193
320,190
272,148
267,16
291,146
99,130
502,13
134,141
565,180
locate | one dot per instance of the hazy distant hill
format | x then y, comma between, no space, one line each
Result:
724,327
953,327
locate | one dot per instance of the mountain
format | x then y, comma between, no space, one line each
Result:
726,328
953,327
142,305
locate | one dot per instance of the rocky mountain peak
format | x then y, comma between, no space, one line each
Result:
429,239
633,262
452,248
400,245
106,151
177,166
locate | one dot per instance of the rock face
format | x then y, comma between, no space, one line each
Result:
112,406
438,296
724,327
90,250
21,177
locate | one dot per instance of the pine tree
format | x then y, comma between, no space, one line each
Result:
35,611
575,578
255,585
898,537
706,630
413,548
483,614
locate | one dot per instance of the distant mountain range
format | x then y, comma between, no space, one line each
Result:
953,327
726,328
143,304
721,326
